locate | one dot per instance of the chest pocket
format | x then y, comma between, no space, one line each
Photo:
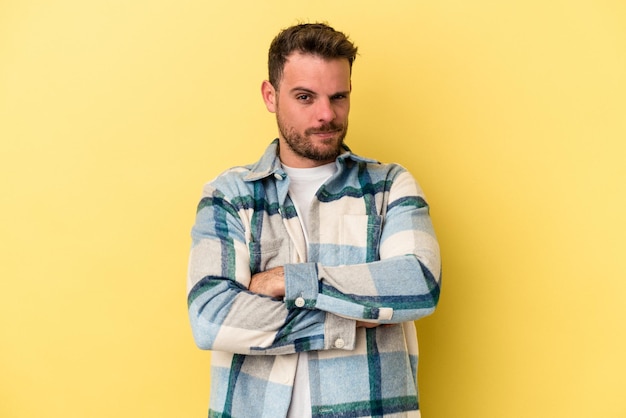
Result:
360,238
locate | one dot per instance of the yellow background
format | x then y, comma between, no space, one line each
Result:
512,115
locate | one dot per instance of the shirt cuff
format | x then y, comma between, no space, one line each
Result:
339,333
301,285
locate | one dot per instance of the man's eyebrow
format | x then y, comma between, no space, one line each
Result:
312,93
302,90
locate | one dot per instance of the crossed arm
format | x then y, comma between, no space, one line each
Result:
272,283
306,306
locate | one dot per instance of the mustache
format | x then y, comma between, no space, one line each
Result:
328,127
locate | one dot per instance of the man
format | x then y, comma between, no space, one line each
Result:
308,268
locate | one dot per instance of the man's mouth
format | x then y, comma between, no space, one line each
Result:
324,131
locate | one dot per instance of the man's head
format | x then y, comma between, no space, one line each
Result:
309,90
317,39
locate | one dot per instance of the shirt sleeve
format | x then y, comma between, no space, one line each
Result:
225,316
402,285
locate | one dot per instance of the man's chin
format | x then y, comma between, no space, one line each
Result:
327,152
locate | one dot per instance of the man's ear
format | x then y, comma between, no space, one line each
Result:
269,96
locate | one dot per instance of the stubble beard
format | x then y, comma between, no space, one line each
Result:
303,145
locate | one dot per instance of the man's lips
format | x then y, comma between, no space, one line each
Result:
323,131
325,135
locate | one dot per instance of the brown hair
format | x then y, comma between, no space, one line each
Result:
308,38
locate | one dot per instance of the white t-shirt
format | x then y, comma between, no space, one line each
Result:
303,184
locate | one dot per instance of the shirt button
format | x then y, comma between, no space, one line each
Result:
278,176
299,302
339,343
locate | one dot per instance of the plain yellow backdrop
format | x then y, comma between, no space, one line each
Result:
511,114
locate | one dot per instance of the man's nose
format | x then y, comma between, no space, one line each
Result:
325,111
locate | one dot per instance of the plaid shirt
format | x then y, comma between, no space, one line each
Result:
372,256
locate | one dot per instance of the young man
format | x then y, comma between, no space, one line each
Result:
308,268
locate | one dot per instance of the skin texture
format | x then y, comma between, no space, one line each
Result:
269,283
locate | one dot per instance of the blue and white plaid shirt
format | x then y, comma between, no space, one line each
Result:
372,256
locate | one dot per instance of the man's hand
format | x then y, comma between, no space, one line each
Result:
269,283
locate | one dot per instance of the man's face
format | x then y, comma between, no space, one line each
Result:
311,106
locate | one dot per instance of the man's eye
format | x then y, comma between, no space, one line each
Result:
303,97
